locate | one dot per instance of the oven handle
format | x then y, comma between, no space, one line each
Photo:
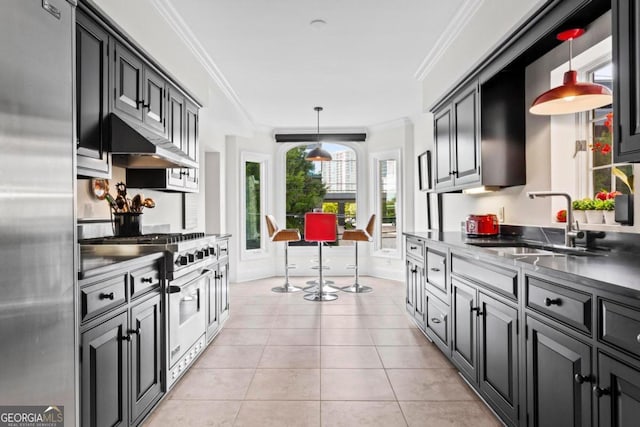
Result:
174,289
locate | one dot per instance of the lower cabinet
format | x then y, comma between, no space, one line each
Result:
415,289
103,357
145,360
559,377
617,393
128,343
485,346
213,307
498,339
122,348
436,322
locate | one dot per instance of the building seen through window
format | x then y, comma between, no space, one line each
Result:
322,187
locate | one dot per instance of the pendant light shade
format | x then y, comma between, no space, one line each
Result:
572,96
318,154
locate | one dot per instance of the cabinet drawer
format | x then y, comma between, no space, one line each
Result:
415,248
620,326
436,267
102,297
500,280
223,249
437,318
144,280
565,305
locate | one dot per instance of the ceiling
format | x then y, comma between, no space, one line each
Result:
362,66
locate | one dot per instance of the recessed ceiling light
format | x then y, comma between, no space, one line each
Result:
318,24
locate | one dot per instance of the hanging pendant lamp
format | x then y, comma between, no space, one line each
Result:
318,154
572,96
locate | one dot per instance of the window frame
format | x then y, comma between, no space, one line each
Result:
374,161
265,184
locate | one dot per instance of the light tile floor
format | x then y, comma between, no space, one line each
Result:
358,361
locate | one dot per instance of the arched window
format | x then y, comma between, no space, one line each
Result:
321,186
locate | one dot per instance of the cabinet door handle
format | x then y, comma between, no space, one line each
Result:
413,248
581,379
477,310
134,331
436,269
599,392
126,338
110,296
146,280
549,302
439,319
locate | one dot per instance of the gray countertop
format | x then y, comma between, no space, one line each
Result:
615,271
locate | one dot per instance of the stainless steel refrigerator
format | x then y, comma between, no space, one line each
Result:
37,208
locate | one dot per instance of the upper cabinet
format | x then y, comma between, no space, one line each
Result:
479,137
92,103
117,82
457,143
626,81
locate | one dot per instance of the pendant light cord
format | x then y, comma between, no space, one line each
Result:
570,53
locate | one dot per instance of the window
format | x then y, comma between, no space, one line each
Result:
321,186
253,204
601,169
387,203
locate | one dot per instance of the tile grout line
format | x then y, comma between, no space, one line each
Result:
392,389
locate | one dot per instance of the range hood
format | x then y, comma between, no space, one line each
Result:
134,147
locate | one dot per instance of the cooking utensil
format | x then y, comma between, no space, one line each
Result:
136,203
100,188
149,203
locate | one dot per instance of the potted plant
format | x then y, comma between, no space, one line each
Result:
593,215
578,211
608,207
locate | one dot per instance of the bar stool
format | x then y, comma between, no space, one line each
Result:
359,235
320,227
286,236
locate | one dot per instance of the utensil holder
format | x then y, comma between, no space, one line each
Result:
127,224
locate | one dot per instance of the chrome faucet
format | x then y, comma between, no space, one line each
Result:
570,233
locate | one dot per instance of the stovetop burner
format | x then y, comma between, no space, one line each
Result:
158,238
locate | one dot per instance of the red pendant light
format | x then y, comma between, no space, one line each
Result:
318,154
572,96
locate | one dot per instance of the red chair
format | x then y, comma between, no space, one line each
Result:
320,227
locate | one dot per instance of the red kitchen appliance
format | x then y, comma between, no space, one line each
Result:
482,225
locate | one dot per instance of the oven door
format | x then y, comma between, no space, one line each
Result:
187,312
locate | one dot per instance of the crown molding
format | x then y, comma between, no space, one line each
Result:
391,124
177,24
450,33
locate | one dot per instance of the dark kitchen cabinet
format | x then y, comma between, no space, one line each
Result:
146,356
617,393
127,83
442,141
559,377
154,105
626,56
456,141
484,345
415,280
176,111
104,395
122,349
436,322
498,342
464,327
92,101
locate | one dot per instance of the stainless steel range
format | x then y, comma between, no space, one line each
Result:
187,258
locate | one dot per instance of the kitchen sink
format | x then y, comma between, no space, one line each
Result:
522,251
